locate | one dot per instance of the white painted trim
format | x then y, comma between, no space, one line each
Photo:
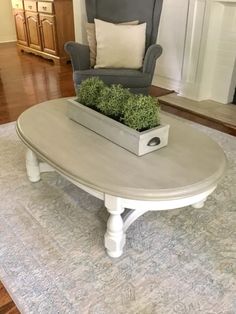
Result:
205,60
225,1
8,41
166,82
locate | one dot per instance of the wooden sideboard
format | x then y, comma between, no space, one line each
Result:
43,27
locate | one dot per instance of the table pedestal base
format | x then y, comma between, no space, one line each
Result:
117,225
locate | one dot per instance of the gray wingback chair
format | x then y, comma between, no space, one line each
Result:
118,11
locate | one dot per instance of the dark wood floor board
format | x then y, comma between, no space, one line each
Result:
156,91
26,80
7,306
198,118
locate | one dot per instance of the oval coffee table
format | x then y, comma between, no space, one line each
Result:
183,173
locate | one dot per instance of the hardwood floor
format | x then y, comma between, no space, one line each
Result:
7,306
26,80
218,116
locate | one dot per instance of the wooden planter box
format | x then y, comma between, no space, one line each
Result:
138,143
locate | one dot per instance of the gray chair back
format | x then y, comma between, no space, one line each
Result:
118,11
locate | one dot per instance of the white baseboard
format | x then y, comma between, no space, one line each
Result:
166,83
7,41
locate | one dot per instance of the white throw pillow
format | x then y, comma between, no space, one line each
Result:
119,46
91,36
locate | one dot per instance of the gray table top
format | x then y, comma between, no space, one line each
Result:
191,163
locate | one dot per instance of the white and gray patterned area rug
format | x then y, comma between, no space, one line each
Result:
52,258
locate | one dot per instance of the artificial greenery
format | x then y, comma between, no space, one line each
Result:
141,112
89,91
112,101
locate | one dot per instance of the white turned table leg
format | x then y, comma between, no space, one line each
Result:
32,166
114,237
199,204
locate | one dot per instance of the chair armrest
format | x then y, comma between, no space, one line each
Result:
153,52
79,55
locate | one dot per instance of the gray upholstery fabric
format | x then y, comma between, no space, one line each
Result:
153,52
126,77
120,11
127,10
79,55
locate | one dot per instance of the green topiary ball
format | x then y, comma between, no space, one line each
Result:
142,112
89,91
112,100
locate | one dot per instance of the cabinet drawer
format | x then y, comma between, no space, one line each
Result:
17,4
30,6
45,7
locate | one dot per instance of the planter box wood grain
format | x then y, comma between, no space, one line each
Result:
138,143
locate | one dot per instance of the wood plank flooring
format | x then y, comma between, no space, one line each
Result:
26,80
210,113
7,306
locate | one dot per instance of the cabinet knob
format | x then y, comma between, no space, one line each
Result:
17,5
30,7
45,8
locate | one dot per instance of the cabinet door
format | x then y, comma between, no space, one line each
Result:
48,33
32,23
21,32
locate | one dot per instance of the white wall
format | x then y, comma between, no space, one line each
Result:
7,26
199,44
80,18
171,36
180,35
224,71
